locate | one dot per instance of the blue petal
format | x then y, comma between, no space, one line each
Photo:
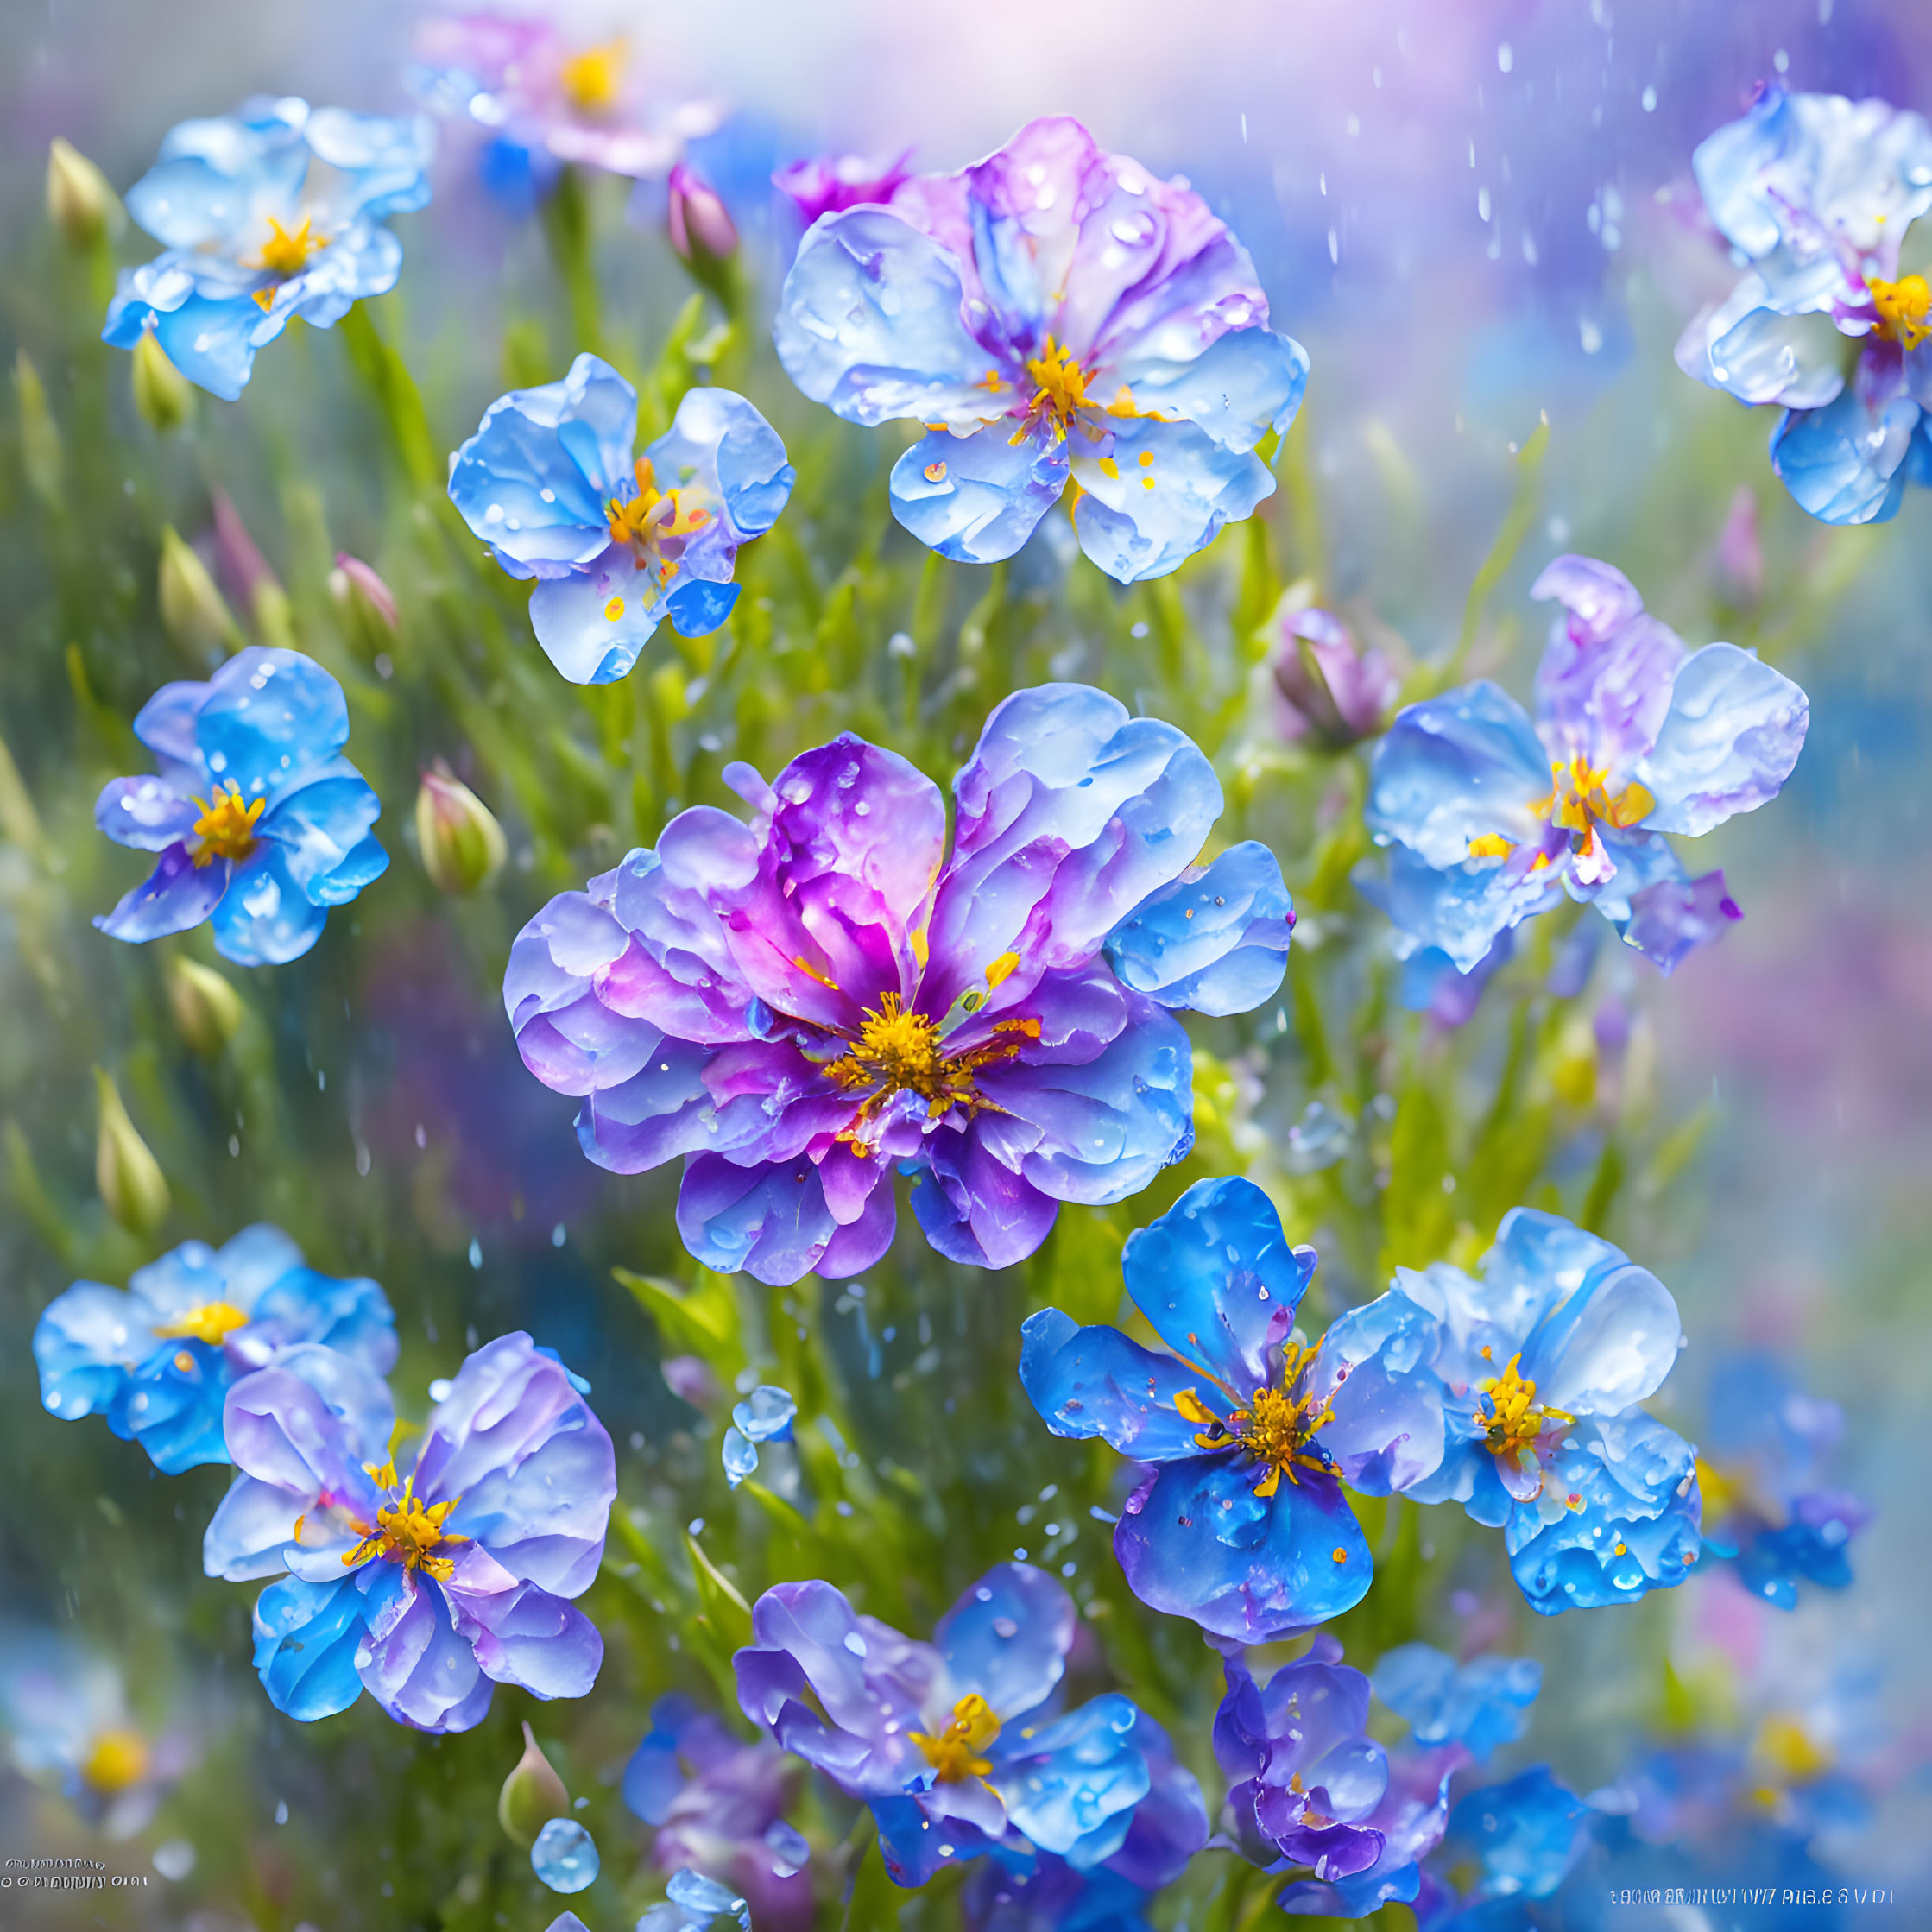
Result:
868,322
365,862
593,625
771,1220
166,725
1198,1543
652,1778
721,442
171,1406
1242,385
363,259
146,813
84,1342
1376,1372
1846,462
265,918
176,896
306,1640
1007,1638
696,608
1455,769
386,157
319,823
1609,1345
1525,1835
1481,1704
1215,941
352,1317
1158,493
1460,912
248,1536
534,481
978,498
1728,742
1072,1786
1095,1381
1670,919
212,343
1216,1279
1756,349
271,717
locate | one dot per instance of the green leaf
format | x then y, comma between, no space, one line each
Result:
387,377
701,1319
872,1904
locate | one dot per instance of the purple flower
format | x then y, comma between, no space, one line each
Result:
261,825
718,1805
1325,687
428,1586
799,1006
1489,819
1241,1523
547,102
700,225
958,1745
830,183
1052,314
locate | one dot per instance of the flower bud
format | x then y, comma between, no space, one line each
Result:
41,455
128,1177
249,581
197,618
532,1795
207,1009
164,396
79,202
366,607
1326,688
462,845
702,231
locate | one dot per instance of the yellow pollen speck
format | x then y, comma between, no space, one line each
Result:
1109,469
183,1360
211,1322
1146,459
1147,483
225,829
1491,845
613,609
1903,307
118,1759
1341,1555
954,1755
936,472
1623,1550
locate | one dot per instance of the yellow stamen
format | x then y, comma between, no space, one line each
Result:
225,829
1785,1748
210,1322
1514,1421
591,80
408,1531
1059,386
897,1051
1491,845
1903,307
117,1759
285,253
954,1755
655,523
1578,799
1275,1429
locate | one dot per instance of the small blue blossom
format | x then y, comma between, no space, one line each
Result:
1539,1364
1522,1837
1241,1525
1052,315
958,1745
1479,1705
1490,818
271,212
765,1415
159,1359
693,1903
261,825
1819,195
617,544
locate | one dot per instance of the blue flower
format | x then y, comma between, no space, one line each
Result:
1817,193
1490,819
261,823
765,1415
1522,1837
549,482
1478,1705
1761,1471
693,1903
1540,1364
429,1587
958,1745
159,1359
1051,314
1241,1526
254,233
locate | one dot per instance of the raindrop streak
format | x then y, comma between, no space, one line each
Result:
565,1856
476,1252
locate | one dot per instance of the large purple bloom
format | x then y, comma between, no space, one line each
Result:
959,1745
1490,819
261,826
798,1006
1242,1525
1051,314
429,1587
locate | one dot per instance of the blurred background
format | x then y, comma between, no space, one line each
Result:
1477,217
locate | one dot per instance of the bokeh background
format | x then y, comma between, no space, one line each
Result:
1476,217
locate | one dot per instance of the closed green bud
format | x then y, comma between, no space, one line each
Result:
193,610
79,202
40,455
131,1182
462,845
532,1795
207,1009
366,606
164,396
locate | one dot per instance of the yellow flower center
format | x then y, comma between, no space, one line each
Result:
211,1323
954,1755
1514,1421
225,829
285,253
655,523
590,79
1902,307
1579,800
1059,386
118,1759
1276,1428
407,1531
